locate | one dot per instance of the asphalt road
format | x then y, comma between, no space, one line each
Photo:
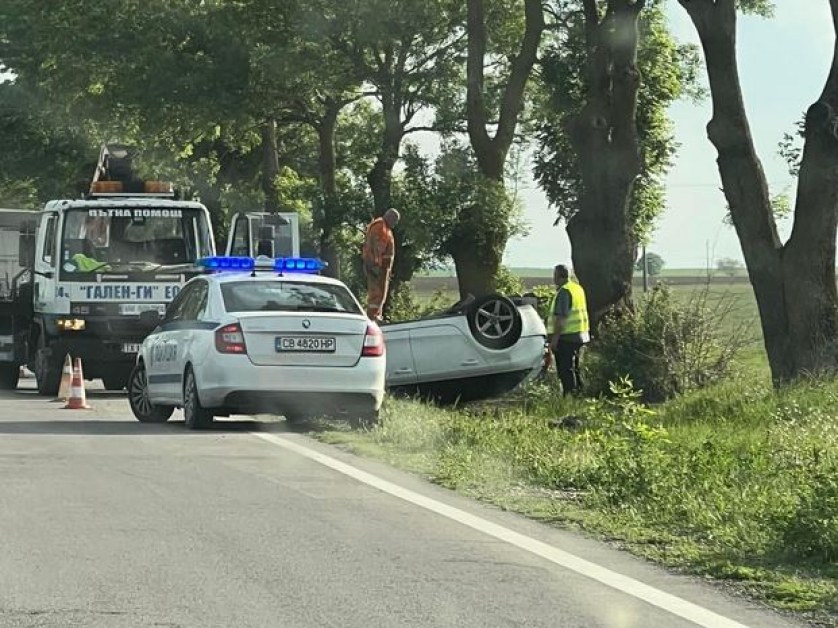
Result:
107,522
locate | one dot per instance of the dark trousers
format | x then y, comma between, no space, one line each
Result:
567,364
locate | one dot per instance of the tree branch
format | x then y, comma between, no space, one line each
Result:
513,97
475,104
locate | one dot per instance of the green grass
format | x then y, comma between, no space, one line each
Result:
736,482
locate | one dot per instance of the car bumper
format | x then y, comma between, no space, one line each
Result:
234,383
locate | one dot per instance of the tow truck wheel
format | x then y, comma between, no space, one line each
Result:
47,373
195,416
9,376
141,406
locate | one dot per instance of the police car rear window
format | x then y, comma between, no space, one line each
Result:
287,296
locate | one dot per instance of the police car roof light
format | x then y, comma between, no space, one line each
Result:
227,263
299,264
281,264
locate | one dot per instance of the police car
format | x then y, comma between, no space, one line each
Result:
260,335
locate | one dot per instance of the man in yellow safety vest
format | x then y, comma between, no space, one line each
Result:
568,328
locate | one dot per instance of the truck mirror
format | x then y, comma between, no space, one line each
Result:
26,250
150,318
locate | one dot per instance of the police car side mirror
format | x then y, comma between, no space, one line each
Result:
150,319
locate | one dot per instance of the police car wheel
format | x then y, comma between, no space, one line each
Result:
494,321
141,406
195,416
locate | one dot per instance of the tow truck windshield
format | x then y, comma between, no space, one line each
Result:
132,240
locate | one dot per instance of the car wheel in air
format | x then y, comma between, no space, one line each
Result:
138,399
196,416
494,321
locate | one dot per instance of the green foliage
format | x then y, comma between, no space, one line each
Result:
666,347
508,282
655,264
669,72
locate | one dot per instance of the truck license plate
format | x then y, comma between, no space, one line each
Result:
310,344
130,347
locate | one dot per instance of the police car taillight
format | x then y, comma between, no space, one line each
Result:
230,339
373,342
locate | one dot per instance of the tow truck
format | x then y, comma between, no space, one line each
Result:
88,268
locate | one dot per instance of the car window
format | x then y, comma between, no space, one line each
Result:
288,296
177,307
195,302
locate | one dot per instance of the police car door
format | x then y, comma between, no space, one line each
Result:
165,375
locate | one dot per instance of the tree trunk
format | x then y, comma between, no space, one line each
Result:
794,284
380,178
327,164
605,138
270,166
477,266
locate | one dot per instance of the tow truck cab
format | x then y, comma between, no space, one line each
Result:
99,263
254,234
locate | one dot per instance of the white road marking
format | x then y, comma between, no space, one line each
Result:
670,603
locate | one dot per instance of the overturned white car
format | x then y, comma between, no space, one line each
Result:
476,349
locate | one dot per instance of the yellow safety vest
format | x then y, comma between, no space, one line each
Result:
577,318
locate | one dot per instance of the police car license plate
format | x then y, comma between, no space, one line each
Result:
130,347
312,344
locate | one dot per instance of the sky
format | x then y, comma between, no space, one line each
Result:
783,64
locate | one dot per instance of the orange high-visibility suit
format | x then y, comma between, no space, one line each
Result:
379,250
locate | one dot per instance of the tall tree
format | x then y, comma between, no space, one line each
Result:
604,138
794,282
483,231
407,51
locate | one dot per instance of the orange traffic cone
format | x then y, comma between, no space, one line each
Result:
78,399
66,381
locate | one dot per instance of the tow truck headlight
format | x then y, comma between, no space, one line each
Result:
71,324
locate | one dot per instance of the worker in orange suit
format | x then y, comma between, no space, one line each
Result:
379,251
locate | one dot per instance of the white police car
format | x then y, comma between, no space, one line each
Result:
260,335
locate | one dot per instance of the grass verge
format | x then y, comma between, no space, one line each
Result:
736,482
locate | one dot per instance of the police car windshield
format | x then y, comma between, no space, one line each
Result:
133,239
287,296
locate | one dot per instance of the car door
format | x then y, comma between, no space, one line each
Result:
184,334
164,369
401,370
444,349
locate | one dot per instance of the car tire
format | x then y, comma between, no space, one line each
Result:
195,415
9,376
47,371
144,410
494,321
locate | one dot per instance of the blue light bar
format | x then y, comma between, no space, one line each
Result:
227,263
309,265
299,265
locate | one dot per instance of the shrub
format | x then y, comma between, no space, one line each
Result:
507,282
666,347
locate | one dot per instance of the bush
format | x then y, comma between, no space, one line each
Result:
507,282
666,347
402,304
